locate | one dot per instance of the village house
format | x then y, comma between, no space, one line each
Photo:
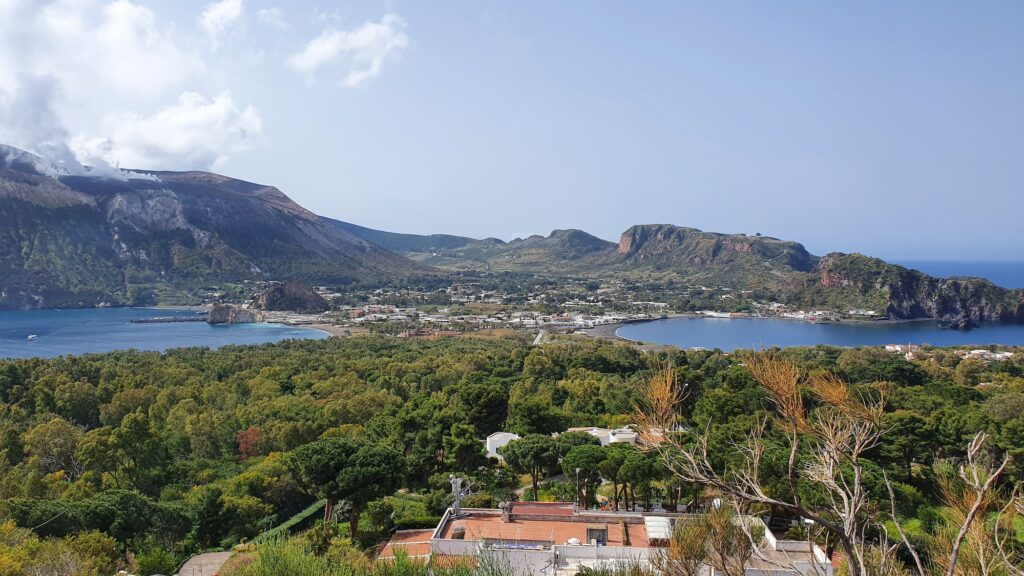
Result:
558,539
609,436
605,436
497,440
984,355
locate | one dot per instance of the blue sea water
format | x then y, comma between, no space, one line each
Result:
756,333
1008,274
81,331
745,333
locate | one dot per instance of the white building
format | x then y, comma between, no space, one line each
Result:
497,440
609,436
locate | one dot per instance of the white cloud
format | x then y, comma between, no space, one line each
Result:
362,51
218,18
111,71
197,132
120,46
79,59
324,16
273,17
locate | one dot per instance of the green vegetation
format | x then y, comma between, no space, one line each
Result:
297,559
532,454
81,241
285,528
163,455
690,268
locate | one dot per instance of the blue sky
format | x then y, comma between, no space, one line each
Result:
894,129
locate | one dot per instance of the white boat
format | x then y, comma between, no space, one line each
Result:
32,336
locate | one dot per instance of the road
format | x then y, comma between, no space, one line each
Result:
204,564
540,338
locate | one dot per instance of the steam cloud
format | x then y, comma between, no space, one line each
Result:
106,59
28,121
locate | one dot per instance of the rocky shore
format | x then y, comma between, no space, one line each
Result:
230,314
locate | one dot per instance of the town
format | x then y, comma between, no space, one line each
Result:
491,302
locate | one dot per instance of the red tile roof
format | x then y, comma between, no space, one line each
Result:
548,530
413,543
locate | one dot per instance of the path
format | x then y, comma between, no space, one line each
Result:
204,564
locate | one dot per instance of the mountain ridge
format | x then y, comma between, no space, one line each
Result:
782,269
89,239
82,240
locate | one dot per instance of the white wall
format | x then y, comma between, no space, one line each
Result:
497,440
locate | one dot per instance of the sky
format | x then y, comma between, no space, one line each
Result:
892,129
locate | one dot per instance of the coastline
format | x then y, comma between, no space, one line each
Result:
610,331
332,330
102,330
605,332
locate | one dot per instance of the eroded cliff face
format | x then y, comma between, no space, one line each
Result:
230,314
909,294
665,245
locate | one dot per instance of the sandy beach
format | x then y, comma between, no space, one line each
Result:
605,332
336,330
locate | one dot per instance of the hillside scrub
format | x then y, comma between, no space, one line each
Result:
195,449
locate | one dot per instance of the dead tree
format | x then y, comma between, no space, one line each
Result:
826,442
687,550
979,519
833,435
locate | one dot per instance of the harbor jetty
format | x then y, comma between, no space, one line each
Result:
169,319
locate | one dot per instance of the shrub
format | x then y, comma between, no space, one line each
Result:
156,560
381,515
417,522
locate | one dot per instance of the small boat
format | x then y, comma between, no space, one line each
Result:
32,336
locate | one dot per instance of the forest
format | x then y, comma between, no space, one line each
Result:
320,449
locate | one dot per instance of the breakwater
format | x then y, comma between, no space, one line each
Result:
169,319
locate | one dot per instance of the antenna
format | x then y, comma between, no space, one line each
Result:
458,493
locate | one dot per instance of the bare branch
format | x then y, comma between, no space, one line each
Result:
899,528
971,473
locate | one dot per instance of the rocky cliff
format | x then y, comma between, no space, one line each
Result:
859,281
292,296
231,314
664,243
771,268
696,257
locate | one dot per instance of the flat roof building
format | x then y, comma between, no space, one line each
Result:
556,539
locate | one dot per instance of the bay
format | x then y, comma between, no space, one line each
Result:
87,330
730,334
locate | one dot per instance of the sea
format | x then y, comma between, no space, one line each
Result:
757,333
1005,273
87,330
730,334
81,331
